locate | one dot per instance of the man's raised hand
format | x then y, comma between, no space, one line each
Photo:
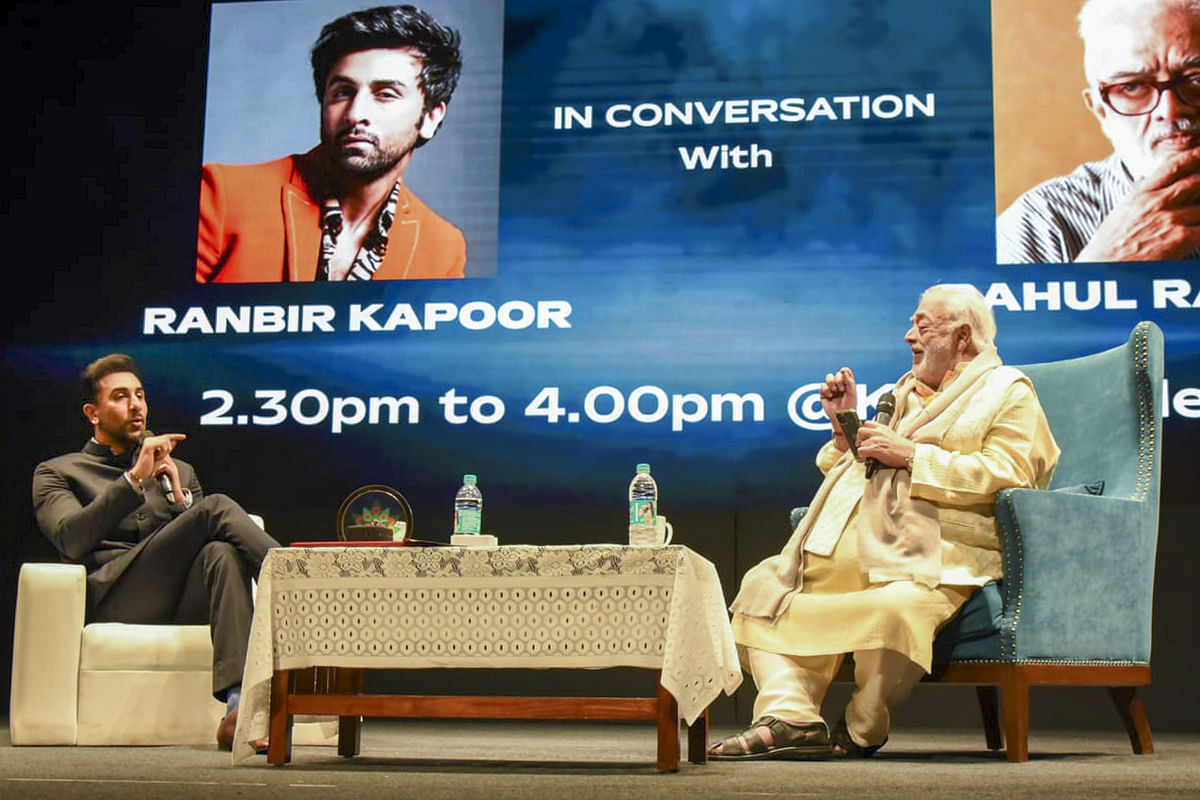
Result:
839,392
155,449
1158,220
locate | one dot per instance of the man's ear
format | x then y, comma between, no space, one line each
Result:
89,413
962,337
430,121
1091,99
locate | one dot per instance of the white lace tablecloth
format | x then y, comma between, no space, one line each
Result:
582,606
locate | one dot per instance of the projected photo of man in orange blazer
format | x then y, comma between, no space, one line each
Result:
341,211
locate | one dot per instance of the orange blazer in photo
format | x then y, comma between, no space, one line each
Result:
261,223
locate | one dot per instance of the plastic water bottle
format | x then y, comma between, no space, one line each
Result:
643,504
468,507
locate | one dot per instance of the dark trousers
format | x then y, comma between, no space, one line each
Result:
196,570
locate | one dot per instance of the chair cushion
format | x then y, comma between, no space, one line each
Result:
120,646
973,633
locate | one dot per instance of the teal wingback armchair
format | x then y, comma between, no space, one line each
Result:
1075,604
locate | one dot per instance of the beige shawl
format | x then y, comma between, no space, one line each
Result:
899,536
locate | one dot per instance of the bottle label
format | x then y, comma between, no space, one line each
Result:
467,520
641,511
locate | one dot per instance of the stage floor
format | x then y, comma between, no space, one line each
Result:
581,761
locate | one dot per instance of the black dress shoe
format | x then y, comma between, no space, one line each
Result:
225,731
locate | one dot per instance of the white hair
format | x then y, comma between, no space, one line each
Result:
1099,14
965,305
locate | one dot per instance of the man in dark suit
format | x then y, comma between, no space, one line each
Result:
156,549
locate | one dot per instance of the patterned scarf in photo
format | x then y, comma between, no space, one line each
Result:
374,247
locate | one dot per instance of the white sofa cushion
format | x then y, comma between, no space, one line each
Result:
119,646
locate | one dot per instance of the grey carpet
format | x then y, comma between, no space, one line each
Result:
579,761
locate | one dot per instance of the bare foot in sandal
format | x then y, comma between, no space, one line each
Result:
770,737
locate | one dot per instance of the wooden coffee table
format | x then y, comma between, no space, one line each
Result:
324,615
338,691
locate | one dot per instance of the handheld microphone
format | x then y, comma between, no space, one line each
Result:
883,415
164,482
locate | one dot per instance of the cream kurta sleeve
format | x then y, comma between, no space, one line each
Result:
827,456
1018,451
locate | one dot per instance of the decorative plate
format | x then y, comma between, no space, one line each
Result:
375,513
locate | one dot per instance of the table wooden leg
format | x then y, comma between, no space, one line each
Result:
347,680
668,732
279,748
698,740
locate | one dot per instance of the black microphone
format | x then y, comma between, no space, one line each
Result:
164,482
883,415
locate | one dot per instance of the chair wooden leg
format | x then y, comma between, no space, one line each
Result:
1133,715
989,709
1014,714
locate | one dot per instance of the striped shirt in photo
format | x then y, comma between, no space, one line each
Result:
1053,221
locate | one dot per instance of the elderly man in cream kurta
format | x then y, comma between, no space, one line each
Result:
877,565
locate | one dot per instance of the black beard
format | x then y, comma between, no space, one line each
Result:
368,168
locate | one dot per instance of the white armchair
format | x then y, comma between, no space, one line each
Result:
110,683
106,683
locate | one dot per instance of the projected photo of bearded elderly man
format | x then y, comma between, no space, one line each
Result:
1142,203
341,211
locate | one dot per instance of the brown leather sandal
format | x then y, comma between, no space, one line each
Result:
790,740
844,745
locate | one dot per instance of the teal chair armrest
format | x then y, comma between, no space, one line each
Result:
1078,575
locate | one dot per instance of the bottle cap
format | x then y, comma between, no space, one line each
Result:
643,467
469,479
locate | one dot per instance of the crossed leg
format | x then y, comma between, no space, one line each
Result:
792,689
196,569
883,680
